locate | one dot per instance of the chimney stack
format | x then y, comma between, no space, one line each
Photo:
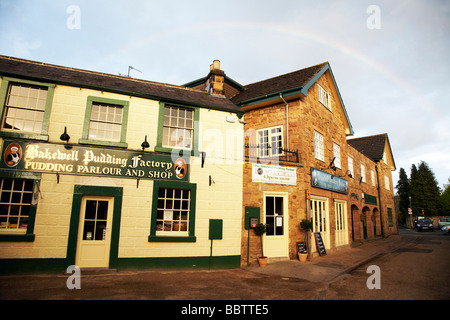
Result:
216,79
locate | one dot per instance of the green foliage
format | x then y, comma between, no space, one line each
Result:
260,229
403,193
445,198
306,225
424,191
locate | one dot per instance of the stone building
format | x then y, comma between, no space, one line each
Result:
300,164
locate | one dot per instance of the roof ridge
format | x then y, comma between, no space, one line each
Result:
100,73
371,136
285,74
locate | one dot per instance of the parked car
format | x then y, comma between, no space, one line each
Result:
424,224
443,222
446,229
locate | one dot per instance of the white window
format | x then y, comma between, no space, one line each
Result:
337,155
324,97
318,146
270,142
386,183
105,122
178,127
350,165
363,173
173,210
15,202
25,107
373,177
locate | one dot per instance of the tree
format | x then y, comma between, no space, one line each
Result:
403,193
445,199
424,190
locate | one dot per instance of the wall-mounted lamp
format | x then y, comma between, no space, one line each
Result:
145,144
65,137
331,165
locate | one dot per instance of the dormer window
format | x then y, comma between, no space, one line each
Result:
324,97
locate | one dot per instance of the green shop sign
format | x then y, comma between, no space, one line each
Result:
324,180
67,159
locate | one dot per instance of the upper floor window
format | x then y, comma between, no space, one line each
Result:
318,146
25,108
373,177
178,127
270,142
324,97
337,155
350,165
363,173
387,183
105,122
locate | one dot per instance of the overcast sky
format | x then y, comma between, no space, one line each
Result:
390,59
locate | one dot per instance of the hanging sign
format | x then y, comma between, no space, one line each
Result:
324,180
93,161
274,174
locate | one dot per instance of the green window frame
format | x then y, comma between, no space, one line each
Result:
28,236
92,100
10,133
160,147
189,235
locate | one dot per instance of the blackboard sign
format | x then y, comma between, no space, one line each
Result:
302,247
319,244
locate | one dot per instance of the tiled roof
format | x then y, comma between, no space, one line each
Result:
32,70
371,146
293,80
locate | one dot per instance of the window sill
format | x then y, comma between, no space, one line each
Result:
103,143
24,135
17,237
180,152
153,238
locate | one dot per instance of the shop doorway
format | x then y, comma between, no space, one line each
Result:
321,221
341,224
94,234
276,239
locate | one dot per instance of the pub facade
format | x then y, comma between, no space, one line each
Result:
300,163
104,171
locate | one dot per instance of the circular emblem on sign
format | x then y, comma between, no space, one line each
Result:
12,155
180,168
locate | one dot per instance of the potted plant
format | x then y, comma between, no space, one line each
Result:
306,225
260,229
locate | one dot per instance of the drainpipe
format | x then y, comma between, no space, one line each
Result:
287,121
379,201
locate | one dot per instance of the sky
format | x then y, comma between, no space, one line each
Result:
390,59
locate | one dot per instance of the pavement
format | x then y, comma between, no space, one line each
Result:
336,263
280,279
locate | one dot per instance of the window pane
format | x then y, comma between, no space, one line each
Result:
105,122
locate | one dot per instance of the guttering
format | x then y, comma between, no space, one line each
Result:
287,121
379,200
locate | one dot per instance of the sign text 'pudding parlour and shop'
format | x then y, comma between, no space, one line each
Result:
66,159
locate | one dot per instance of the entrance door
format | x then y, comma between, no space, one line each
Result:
340,209
321,222
94,233
276,239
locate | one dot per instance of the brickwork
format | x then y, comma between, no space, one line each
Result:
306,115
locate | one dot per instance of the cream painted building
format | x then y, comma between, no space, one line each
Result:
79,185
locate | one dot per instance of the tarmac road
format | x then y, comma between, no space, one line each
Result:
283,280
